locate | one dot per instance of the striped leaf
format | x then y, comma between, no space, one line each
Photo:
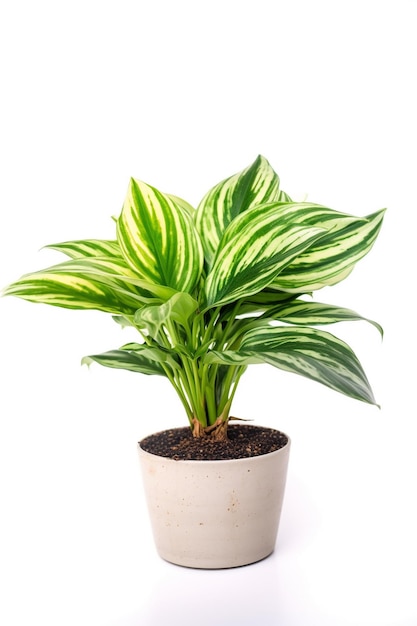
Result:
263,300
255,247
313,353
139,360
231,358
89,283
314,313
116,269
182,203
106,258
330,259
155,352
257,184
152,350
87,248
158,238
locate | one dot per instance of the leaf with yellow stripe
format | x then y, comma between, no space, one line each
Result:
302,312
331,258
312,353
138,358
88,247
158,238
257,184
255,247
84,283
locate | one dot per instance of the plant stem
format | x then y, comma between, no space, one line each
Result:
209,393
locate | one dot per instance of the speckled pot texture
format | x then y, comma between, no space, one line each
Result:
215,514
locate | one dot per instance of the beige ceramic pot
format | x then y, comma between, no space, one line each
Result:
215,514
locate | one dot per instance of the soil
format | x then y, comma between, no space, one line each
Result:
243,441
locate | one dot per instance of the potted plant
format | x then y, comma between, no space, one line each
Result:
211,291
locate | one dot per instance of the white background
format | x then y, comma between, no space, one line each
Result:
181,95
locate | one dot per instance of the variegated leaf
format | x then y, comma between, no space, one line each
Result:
133,361
333,257
314,313
158,238
84,283
265,299
182,203
119,271
231,357
88,247
255,247
313,353
154,351
257,184
108,257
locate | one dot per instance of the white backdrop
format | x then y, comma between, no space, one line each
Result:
182,94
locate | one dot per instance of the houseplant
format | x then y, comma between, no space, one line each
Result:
213,290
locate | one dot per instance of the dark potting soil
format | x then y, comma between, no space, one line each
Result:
243,441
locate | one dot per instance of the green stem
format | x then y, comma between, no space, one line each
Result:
230,323
190,377
207,332
176,377
240,372
183,396
199,394
227,383
209,392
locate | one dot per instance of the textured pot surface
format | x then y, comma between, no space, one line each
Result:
215,514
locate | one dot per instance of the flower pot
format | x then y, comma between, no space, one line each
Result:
218,513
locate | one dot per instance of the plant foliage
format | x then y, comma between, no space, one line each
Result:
214,289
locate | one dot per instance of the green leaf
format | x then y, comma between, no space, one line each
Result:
84,283
257,184
182,203
132,360
231,357
123,321
177,309
255,247
331,259
109,252
314,313
88,247
153,351
158,238
259,302
312,353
